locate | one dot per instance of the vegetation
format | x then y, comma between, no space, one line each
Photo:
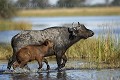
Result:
103,49
9,25
70,3
7,9
31,4
5,51
71,12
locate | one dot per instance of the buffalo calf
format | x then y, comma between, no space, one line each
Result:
33,52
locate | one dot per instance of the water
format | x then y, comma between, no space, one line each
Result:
95,23
71,74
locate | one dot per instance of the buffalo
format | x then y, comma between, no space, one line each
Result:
63,38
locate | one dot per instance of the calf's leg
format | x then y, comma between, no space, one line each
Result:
23,63
45,60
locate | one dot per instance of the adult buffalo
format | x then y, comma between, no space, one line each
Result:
63,38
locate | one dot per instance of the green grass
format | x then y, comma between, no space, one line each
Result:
9,25
84,11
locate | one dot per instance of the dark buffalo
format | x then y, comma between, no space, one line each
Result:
63,38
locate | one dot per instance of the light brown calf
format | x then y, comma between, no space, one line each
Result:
33,52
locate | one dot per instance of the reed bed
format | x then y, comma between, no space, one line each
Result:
5,51
10,25
102,49
84,11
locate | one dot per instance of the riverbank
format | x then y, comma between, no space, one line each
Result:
84,11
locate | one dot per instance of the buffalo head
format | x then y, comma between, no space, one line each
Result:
80,31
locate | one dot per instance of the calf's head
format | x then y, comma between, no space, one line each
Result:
80,31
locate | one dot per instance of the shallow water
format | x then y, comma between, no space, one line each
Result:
66,74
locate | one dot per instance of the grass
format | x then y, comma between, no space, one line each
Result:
101,50
10,25
84,11
5,51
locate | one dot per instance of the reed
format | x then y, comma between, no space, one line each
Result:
84,11
5,51
101,49
10,25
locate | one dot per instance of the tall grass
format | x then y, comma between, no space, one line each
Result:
5,51
10,25
101,49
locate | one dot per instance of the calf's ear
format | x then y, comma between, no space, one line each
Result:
46,43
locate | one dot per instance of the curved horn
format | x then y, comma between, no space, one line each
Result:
78,23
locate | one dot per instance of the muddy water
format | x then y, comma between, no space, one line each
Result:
65,74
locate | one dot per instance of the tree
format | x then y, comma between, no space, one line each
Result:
40,3
116,2
7,9
32,3
70,3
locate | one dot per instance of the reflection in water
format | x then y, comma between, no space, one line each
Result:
41,76
104,74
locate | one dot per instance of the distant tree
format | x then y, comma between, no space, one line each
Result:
70,3
116,2
7,9
106,2
22,3
32,3
40,3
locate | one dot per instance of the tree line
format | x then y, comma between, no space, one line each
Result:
9,7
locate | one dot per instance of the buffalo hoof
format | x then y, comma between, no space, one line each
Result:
60,69
48,67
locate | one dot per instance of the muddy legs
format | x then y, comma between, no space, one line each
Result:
61,63
46,62
64,61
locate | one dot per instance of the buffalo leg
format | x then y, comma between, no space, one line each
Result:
11,61
45,60
58,58
64,61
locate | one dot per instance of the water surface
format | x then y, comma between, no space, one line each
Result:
72,74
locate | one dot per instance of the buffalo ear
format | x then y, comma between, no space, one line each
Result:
72,33
78,23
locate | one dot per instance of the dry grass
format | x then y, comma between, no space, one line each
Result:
9,25
71,11
5,52
99,50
